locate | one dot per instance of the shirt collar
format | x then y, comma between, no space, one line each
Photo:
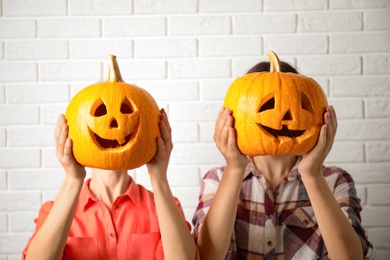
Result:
252,170
87,198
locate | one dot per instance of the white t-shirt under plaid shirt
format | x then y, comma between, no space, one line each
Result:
281,224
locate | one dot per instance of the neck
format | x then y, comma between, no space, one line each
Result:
107,185
274,168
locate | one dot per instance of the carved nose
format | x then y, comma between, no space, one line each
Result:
114,123
287,116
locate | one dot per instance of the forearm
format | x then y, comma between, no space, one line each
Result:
340,238
50,240
216,231
177,240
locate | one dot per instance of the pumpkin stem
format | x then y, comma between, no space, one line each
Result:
274,62
114,74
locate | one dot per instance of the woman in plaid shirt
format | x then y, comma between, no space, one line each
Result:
278,207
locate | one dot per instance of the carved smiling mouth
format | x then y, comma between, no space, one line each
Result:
283,132
107,144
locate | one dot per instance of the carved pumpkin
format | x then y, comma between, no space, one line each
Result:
276,113
113,125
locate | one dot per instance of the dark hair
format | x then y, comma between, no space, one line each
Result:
264,66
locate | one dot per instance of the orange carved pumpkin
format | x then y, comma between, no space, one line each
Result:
113,125
276,113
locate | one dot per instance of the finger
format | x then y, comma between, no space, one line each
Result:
232,138
160,146
61,140
165,136
68,148
57,128
221,123
164,118
333,117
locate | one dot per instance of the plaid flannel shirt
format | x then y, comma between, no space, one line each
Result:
281,224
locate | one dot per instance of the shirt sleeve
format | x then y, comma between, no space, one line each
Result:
43,212
346,196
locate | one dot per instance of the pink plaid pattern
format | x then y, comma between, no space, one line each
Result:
280,224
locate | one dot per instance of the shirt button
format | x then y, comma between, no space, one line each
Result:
111,235
269,243
116,206
270,217
305,222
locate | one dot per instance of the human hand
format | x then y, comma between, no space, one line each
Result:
158,166
312,162
225,139
64,150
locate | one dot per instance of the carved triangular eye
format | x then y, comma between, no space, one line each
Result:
270,104
306,104
100,110
126,107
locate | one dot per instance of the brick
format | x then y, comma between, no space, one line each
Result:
359,130
2,94
36,50
295,5
34,8
1,51
22,222
100,48
169,90
375,216
134,27
230,46
265,23
49,195
3,180
50,113
18,28
30,136
198,154
49,159
178,176
199,68
380,237
186,195
347,108
377,108
19,158
377,20
3,222
18,71
3,137
378,195
184,133
69,27
228,6
199,25
193,111
18,200
142,69
296,44
360,42
19,115
207,132
37,93
165,48
376,64
70,71
214,89
359,4
36,179
360,86
346,152
375,172
378,151
101,7
361,192
330,21
330,65
165,7
13,243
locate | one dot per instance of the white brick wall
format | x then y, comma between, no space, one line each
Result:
186,53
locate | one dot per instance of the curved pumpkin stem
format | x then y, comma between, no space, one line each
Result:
274,62
114,74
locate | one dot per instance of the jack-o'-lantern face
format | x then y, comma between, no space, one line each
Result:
276,113
113,125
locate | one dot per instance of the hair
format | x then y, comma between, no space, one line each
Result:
265,66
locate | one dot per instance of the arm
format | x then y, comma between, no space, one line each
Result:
339,236
177,240
215,234
50,239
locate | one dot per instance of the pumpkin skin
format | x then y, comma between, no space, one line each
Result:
276,113
113,125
